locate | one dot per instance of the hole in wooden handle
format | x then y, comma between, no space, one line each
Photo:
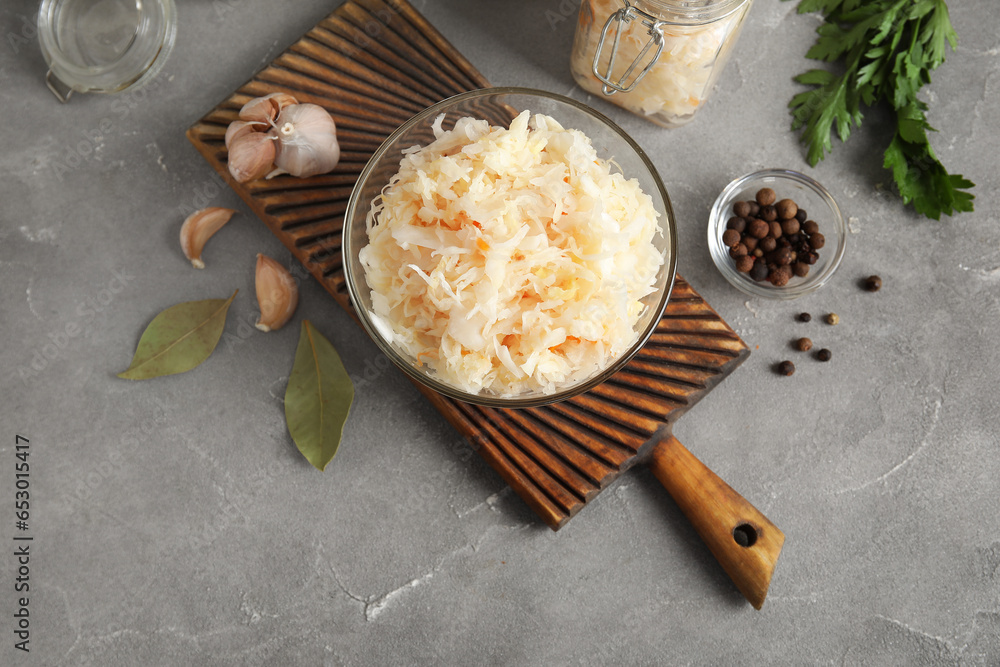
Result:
745,535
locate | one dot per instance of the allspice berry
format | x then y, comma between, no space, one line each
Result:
786,368
790,226
765,196
744,263
873,283
730,237
803,344
759,229
742,209
786,209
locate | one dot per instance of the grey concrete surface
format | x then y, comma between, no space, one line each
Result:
175,523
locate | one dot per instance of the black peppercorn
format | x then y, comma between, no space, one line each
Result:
801,215
873,283
786,368
824,355
805,317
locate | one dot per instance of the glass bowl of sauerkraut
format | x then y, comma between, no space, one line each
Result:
509,247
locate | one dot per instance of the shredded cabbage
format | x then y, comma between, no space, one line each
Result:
680,80
510,260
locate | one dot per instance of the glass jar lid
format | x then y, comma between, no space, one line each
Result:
104,46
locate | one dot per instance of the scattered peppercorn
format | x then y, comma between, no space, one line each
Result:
803,344
786,368
833,318
824,355
873,283
805,317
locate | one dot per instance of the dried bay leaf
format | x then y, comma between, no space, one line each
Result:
179,338
318,397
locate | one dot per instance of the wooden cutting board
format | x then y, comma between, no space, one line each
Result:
374,63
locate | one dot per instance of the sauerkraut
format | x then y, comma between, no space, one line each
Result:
510,260
681,79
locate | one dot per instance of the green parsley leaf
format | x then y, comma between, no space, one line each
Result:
887,50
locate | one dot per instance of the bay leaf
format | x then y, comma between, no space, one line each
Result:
179,338
318,397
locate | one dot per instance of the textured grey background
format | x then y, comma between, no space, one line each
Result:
175,523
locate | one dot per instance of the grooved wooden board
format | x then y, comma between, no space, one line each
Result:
372,64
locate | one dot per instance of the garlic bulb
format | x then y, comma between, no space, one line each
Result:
251,155
277,294
238,128
265,109
307,140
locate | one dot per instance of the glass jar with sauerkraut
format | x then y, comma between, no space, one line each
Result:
657,58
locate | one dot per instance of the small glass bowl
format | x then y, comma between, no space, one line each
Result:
809,195
499,106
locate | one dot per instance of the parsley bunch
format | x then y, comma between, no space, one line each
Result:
888,49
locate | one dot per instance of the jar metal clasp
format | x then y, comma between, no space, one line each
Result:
619,20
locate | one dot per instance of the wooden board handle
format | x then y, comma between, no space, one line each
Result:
743,540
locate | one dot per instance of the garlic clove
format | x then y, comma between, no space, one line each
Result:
307,140
198,228
238,128
251,156
277,294
265,109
